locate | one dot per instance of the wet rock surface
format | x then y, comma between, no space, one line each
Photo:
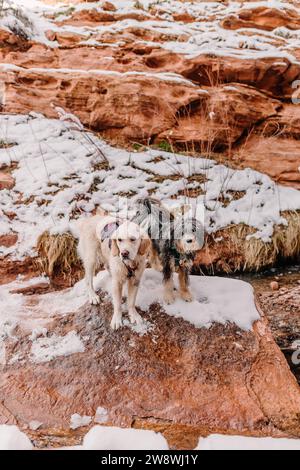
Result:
175,378
282,309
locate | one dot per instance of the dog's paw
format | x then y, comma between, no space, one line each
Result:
169,297
116,322
135,318
187,296
94,299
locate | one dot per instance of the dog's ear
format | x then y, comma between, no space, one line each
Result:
144,246
114,247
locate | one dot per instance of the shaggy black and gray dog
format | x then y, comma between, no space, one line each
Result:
175,240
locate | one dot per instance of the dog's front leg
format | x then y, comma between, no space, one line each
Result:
89,267
87,250
116,321
184,291
169,295
133,285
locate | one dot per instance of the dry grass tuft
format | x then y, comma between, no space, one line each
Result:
285,245
239,253
57,253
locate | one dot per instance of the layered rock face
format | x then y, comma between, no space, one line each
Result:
172,377
213,78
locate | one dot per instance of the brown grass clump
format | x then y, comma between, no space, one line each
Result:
285,245
236,253
57,253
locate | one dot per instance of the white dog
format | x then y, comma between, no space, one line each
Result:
122,247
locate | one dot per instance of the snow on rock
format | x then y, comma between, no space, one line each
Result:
202,35
101,415
217,299
17,310
222,442
11,438
36,332
251,387
34,425
46,349
113,438
18,16
57,167
14,312
78,421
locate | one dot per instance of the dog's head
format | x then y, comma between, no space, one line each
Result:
129,241
188,235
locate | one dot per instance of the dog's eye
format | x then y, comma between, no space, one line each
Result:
119,239
132,239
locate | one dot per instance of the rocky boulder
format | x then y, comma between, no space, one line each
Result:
6,181
263,18
127,105
61,358
277,139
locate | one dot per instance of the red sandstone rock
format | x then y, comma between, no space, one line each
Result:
275,156
274,285
88,18
262,18
10,269
218,119
9,41
184,17
8,240
129,107
189,382
6,181
108,6
93,17
273,148
265,74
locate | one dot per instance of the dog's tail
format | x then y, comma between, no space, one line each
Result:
149,203
101,211
149,206
153,217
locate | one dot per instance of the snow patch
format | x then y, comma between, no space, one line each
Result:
11,438
101,415
222,442
47,349
78,421
35,425
217,299
113,438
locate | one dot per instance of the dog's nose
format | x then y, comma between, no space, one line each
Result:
189,240
125,254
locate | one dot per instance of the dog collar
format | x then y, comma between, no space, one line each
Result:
130,270
176,255
181,258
